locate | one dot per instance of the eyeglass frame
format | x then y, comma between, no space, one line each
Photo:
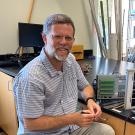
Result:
58,37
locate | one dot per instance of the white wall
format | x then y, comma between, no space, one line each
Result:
14,11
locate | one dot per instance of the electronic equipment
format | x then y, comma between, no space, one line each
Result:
130,89
8,63
30,35
111,86
133,111
15,60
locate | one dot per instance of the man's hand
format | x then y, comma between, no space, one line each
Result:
94,108
83,118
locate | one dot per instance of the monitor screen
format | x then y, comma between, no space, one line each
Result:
30,35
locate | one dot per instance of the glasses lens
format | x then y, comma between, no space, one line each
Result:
59,38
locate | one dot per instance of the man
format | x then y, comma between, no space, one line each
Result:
46,89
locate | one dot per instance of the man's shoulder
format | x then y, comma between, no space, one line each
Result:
71,58
32,67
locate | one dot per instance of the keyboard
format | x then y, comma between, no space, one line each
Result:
112,103
14,62
8,63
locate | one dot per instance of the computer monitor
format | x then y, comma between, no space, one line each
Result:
30,35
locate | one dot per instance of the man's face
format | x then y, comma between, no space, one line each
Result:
59,41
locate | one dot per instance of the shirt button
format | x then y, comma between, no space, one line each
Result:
61,101
59,73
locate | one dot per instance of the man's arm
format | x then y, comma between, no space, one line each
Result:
55,122
88,93
47,122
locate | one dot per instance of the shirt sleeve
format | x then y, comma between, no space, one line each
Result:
29,96
81,80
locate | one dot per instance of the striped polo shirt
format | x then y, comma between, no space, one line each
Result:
41,90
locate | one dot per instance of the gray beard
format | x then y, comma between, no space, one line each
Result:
59,58
51,52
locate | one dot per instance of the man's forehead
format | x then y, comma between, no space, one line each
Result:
61,28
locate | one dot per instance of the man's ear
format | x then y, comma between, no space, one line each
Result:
44,37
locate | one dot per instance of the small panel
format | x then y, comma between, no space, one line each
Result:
111,86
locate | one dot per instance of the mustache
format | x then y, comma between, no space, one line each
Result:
64,47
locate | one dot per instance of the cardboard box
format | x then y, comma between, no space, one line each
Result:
78,51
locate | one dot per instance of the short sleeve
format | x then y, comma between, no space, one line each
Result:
29,96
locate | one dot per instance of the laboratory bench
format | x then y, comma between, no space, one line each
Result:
120,120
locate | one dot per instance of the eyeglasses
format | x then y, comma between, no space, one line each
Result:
60,38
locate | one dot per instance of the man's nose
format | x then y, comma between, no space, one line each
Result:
63,40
